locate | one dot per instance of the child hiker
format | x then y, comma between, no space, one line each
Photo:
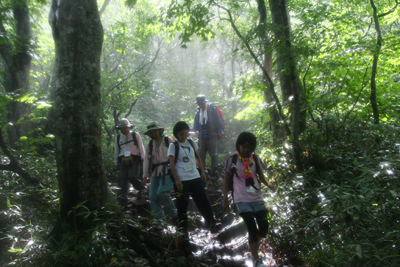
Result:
242,169
183,156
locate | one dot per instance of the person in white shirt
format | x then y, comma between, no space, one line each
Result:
188,180
128,158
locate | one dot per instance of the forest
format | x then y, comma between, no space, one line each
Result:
317,82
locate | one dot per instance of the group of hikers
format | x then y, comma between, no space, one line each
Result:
179,165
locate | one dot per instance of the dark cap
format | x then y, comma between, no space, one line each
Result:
201,99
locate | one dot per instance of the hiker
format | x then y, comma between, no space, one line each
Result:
242,169
183,156
156,167
128,157
209,124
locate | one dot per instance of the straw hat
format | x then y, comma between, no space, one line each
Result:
153,126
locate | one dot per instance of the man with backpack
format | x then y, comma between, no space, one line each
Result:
156,167
208,121
128,157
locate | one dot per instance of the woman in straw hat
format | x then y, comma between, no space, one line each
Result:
156,167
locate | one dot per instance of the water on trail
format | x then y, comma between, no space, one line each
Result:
228,247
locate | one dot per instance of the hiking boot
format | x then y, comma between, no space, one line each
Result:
215,226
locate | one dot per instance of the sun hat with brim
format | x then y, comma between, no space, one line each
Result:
201,99
123,123
153,126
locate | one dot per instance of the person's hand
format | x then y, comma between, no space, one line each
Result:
144,181
271,186
225,205
220,134
203,176
116,168
178,184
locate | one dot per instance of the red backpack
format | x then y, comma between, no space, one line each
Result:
220,114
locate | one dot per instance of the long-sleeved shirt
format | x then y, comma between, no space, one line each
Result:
212,125
158,156
130,148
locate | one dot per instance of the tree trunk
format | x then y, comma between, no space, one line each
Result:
288,76
376,52
78,37
16,62
277,128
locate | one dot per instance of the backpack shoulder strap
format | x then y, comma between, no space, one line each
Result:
176,150
134,138
256,157
150,148
166,141
234,164
191,142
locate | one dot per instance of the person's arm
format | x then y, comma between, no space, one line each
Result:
178,182
140,146
200,165
225,201
196,125
264,180
146,164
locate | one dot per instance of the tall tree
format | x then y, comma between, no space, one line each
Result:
16,62
376,53
288,76
265,41
78,37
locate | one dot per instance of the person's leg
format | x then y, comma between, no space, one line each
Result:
248,219
164,196
155,204
262,222
182,201
123,185
203,142
213,150
134,176
200,198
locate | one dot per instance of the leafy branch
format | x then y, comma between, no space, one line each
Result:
14,166
265,72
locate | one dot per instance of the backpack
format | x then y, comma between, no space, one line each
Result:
235,158
133,140
149,156
219,113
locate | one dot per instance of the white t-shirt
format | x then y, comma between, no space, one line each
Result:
186,163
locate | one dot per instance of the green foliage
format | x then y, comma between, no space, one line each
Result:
343,211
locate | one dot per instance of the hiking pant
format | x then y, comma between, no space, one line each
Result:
262,221
195,189
133,175
159,196
210,145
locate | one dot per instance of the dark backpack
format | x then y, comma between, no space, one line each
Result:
133,140
235,158
149,156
